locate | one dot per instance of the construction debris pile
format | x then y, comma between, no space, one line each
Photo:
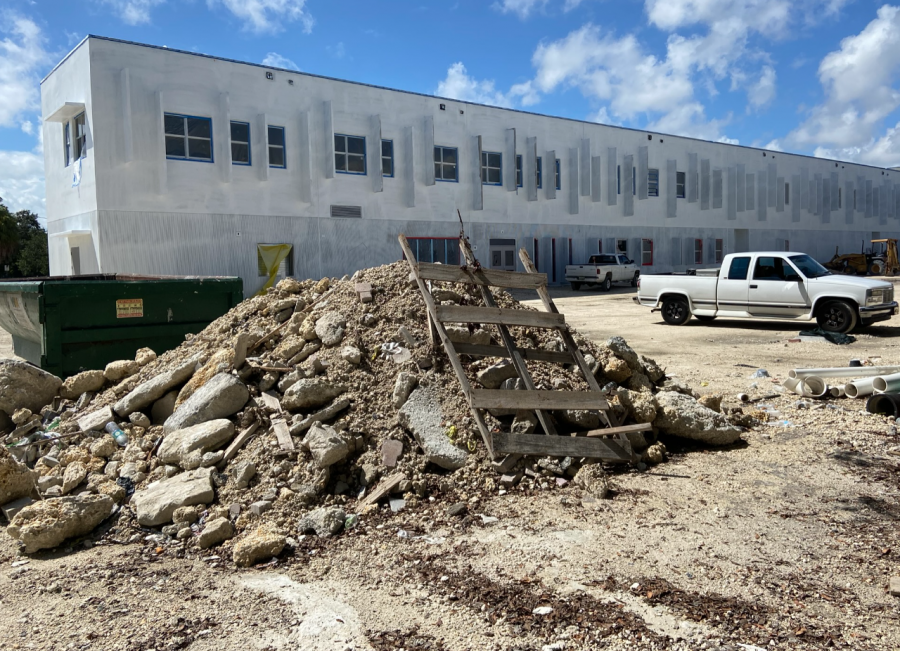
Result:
301,411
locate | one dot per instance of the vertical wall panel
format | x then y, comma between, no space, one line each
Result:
751,191
717,189
741,186
374,155
868,199
475,166
818,199
834,194
693,179
162,181
826,201
731,190
596,178
671,188
428,151
642,171
804,188
611,164
848,202
548,174
677,253
127,129
304,159
509,162
408,165
761,196
779,194
529,169
572,180
794,199
328,135
585,167
860,200
770,183
263,122
812,197
221,130
628,185
704,184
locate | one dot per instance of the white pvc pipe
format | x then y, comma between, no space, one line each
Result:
793,384
844,371
859,388
836,392
886,383
814,387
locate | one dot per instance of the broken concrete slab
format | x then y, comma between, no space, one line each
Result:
682,415
422,415
24,385
80,383
222,396
155,504
326,445
403,386
310,393
16,480
96,420
205,437
73,476
493,376
215,533
262,544
46,524
149,392
324,522
330,328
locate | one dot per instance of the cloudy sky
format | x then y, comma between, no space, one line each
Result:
809,76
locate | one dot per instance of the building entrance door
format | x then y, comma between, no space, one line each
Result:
503,255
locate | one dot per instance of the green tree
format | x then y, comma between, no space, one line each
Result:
23,245
9,240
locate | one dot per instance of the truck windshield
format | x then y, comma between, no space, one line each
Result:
809,267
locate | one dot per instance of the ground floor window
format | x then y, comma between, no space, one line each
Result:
698,251
435,249
646,253
622,246
537,254
275,257
719,250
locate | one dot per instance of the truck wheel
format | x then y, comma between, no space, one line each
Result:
634,278
576,287
675,311
836,316
704,317
606,285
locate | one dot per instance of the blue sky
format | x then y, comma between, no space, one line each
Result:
809,76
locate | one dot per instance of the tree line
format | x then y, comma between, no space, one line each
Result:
23,245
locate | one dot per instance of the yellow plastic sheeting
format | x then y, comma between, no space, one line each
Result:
272,255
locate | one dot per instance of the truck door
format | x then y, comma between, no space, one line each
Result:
621,272
777,289
732,289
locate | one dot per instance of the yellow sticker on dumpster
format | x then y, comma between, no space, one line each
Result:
128,308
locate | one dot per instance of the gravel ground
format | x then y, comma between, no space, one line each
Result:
785,540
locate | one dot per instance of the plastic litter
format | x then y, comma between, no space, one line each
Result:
396,352
832,337
351,521
118,435
488,519
760,372
542,610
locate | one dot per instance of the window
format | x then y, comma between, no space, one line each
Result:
349,154
490,168
698,251
719,250
602,259
739,268
652,183
80,137
539,173
387,158
240,143
445,162
854,200
633,181
285,267
435,249
570,251
622,246
537,254
618,179
840,199
276,147
787,194
519,170
558,176
187,138
646,253
599,246
679,185
623,259
67,143
772,268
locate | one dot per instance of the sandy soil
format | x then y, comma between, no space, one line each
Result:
786,540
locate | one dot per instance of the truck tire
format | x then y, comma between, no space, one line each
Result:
675,310
634,279
606,285
576,286
836,316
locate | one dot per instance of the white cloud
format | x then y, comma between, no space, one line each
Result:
774,145
268,15
762,91
22,181
522,8
275,60
571,4
133,12
459,85
22,59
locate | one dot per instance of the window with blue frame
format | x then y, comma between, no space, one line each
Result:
387,158
445,164
435,249
558,176
491,162
349,154
240,143
519,170
540,175
187,138
67,143
276,147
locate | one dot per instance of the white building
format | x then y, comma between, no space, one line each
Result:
168,162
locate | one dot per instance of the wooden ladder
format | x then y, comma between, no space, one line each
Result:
608,444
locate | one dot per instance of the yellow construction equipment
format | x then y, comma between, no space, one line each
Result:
878,260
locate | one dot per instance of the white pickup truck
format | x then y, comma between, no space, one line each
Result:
603,269
770,285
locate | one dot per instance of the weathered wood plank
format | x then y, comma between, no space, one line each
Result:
499,316
622,429
562,446
328,413
532,354
239,442
283,434
489,277
548,400
384,488
270,401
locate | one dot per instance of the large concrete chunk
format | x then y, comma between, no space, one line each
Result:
422,415
204,437
222,396
620,348
262,544
310,393
493,376
46,524
24,385
16,480
324,522
152,390
83,382
155,504
683,416
96,420
330,328
326,445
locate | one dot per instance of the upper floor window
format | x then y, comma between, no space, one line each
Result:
652,183
679,186
618,179
445,164
787,195
540,175
519,170
558,176
490,168
276,147
187,138
349,154
240,143
387,158
67,143
80,137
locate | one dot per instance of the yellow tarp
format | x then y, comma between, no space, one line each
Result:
272,256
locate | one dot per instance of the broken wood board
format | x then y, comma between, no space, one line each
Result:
384,488
532,354
270,401
325,414
563,446
239,442
498,316
283,434
623,429
490,277
548,400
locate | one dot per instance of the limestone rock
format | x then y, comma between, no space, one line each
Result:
593,480
144,356
289,286
163,408
74,475
215,533
422,415
205,437
712,401
620,348
96,420
289,347
121,369
24,385
656,453
291,379
460,335
155,504
240,344
652,370
525,422
326,445
221,362
21,416
46,524
616,370
672,384
326,521
241,473
403,386
221,397
580,418
139,420
262,544
639,382
104,447
442,295
682,415
330,328
641,406
493,376
351,355
83,382
149,392
310,393
16,480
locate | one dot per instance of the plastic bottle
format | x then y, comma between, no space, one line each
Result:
118,435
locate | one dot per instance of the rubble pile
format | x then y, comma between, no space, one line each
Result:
296,412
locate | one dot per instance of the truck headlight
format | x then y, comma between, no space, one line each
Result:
877,296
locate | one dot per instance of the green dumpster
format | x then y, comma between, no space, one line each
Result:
69,324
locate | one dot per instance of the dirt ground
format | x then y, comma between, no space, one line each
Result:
786,540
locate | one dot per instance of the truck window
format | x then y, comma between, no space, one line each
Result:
739,268
772,268
623,259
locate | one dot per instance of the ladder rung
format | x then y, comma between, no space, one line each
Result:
496,315
533,354
490,277
562,446
622,429
545,400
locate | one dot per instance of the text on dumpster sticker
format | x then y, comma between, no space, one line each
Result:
127,308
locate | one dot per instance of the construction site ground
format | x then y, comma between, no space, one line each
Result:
786,540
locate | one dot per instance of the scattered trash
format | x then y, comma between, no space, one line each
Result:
488,519
118,435
351,521
542,610
397,504
760,372
832,337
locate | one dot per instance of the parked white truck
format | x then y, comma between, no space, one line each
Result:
603,269
770,285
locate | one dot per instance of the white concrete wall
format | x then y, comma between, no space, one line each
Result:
140,194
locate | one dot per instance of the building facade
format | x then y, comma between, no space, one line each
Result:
166,162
